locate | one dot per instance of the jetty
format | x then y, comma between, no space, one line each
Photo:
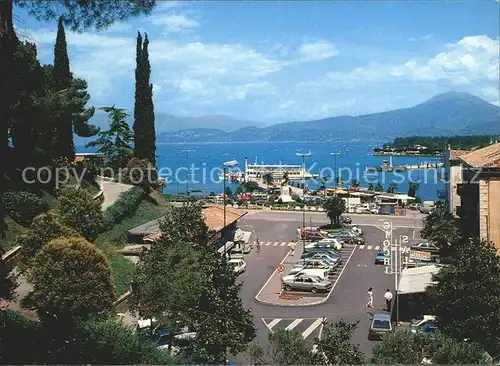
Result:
387,166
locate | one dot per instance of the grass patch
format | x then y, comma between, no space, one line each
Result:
122,269
14,230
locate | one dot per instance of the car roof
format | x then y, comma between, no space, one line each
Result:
382,317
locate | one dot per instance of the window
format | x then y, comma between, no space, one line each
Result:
381,324
308,280
300,279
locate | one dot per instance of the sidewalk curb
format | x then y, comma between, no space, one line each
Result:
322,301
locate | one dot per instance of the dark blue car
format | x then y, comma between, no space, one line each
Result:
380,257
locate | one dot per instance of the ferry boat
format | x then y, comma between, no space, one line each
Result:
253,172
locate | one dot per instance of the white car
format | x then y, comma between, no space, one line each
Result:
322,273
328,242
357,230
239,265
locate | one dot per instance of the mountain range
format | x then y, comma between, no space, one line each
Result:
451,113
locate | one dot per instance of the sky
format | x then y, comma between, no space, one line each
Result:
288,60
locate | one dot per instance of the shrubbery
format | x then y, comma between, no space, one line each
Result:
141,173
23,206
125,206
78,210
91,343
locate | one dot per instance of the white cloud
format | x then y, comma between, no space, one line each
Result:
317,51
174,22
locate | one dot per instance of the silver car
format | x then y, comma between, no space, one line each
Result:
306,283
313,263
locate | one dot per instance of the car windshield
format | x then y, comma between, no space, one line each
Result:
381,324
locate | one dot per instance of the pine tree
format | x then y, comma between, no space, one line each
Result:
63,126
144,129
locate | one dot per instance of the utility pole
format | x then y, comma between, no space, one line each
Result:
176,172
227,164
303,195
187,177
335,154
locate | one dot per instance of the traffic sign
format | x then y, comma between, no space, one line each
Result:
281,267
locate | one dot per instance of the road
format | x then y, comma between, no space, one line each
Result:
349,296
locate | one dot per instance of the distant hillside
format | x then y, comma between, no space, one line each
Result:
445,114
168,123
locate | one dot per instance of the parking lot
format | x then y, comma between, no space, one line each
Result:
348,296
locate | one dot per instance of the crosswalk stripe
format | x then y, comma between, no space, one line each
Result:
268,243
311,328
377,247
273,323
369,247
283,244
294,324
275,244
361,247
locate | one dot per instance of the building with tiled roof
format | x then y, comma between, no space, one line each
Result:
479,192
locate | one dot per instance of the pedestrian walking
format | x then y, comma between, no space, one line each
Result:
291,245
388,300
369,304
257,246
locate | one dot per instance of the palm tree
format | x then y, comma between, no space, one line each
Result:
393,188
268,179
334,207
378,187
370,187
354,183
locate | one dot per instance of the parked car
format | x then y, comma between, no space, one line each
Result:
239,265
325,243
356,230
375,211
346,219
330,252
322,273
348,237
313,264
311,283
427,325
380,257
380,325
325,255
314,237
176,342
425,247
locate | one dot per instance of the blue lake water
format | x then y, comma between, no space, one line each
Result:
201,163
208,158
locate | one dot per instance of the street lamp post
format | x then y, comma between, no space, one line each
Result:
303,155
335,154
227,164
187,178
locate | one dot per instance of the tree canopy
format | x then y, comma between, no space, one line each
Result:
441,228
181,282
334,207
466,295
71,280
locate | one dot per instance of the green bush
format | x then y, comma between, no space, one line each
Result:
23,206
125,206
78,210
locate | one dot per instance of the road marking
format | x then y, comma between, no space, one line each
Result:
273,323
275,244
272,274
339,275
361,247
268,243
294,324
377,247
283,244
312,327
369,247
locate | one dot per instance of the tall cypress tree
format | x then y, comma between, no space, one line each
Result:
138,107
144,117
149,112
63,124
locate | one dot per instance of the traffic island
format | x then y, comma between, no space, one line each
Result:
272,292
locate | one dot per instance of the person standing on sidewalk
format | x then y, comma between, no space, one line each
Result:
388,300
369,304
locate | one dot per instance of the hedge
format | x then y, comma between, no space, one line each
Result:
125,206
23,206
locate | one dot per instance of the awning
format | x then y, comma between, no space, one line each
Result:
226,247
416,280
